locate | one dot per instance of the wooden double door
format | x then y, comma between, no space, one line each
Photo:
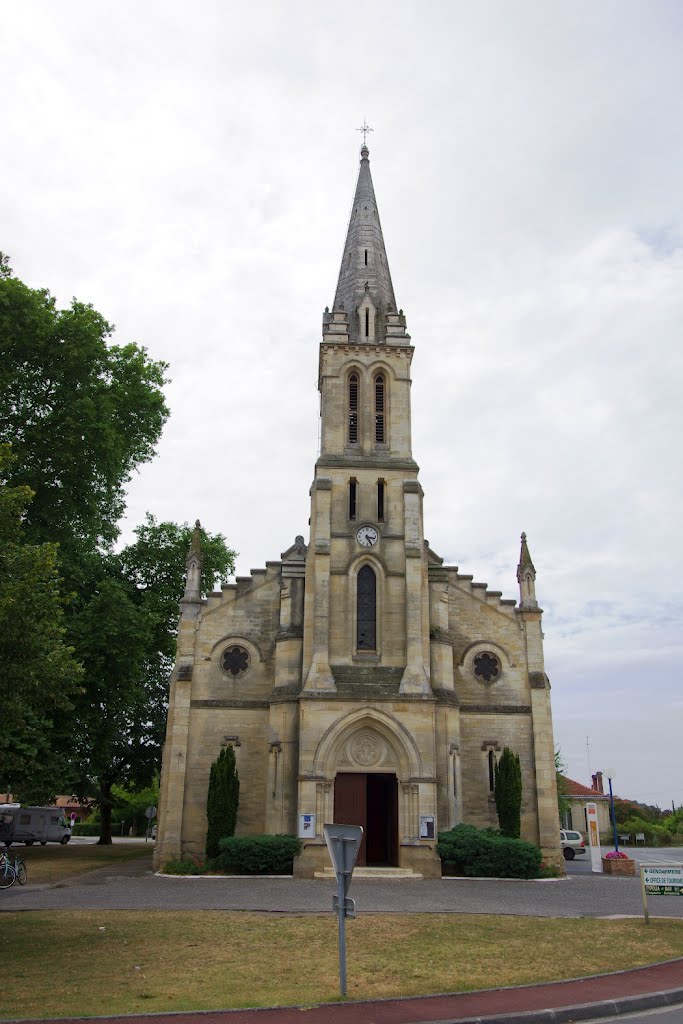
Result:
371,800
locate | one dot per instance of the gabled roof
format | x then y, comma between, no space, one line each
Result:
577,789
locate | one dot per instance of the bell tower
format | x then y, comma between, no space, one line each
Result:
366,587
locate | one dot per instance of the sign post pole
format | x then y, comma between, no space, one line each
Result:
341,919
343,843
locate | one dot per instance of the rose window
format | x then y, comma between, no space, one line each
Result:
487,667
235,661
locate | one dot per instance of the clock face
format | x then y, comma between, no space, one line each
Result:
367,536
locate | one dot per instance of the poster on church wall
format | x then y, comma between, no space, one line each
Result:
426,826
594,837
307,826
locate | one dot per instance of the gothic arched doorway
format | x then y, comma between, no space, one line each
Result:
371,800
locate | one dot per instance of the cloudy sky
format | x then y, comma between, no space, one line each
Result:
189,169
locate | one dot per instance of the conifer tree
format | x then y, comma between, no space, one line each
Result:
508,793
222,800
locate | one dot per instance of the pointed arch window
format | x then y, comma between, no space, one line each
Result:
366,616
380,404
353,408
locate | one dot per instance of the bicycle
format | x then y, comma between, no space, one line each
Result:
7,873
20,871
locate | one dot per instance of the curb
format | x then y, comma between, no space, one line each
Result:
579,1012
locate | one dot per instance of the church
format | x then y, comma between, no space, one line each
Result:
358,678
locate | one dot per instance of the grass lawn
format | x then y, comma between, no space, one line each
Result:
114,962
53,862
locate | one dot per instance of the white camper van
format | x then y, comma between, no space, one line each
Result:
31,825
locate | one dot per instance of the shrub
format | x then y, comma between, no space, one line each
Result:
193,866
257,855
471,851
508,793
86,828
222,800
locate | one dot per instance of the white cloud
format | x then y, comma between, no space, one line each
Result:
191,174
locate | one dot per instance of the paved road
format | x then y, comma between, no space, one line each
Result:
133,886
642,855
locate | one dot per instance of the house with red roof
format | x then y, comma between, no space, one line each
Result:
577,796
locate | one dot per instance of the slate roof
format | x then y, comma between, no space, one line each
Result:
359,273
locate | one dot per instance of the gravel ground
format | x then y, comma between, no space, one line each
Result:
133,886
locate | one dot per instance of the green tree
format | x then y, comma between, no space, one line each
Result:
222,800
131,803
84,414
563,801
126,635
38,671
80,413
508,793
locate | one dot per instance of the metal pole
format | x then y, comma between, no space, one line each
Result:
646,913
341,913
614,817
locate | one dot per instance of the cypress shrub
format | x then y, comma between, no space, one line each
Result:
257,855
508,793
466,850
222,800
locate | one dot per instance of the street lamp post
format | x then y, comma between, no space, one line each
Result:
612,814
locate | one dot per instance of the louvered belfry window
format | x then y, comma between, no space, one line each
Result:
353,408
379,409
366,618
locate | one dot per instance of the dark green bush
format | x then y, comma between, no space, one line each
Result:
257,855
466,850
86,828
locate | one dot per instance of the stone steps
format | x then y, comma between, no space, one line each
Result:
400,874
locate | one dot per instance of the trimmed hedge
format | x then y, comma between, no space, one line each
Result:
86,828
484,853
257,855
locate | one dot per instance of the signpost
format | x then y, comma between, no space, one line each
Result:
594,837
150,813
660,880
343,843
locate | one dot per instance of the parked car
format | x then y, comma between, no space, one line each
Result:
571,843
153,833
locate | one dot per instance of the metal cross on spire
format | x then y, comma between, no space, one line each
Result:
365,129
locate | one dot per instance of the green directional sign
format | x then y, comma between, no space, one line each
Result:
663,880
660,880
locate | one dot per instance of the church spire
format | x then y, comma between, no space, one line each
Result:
364,289
526,577
193,566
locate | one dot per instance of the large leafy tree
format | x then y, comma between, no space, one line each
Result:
83,414
125,635
38,672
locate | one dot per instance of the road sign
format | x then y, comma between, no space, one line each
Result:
343,842
150,813
660,880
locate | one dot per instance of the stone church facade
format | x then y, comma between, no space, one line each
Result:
358,678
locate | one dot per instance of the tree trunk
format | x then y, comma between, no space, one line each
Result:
105,814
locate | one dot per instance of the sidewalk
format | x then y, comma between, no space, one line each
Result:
563,1001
